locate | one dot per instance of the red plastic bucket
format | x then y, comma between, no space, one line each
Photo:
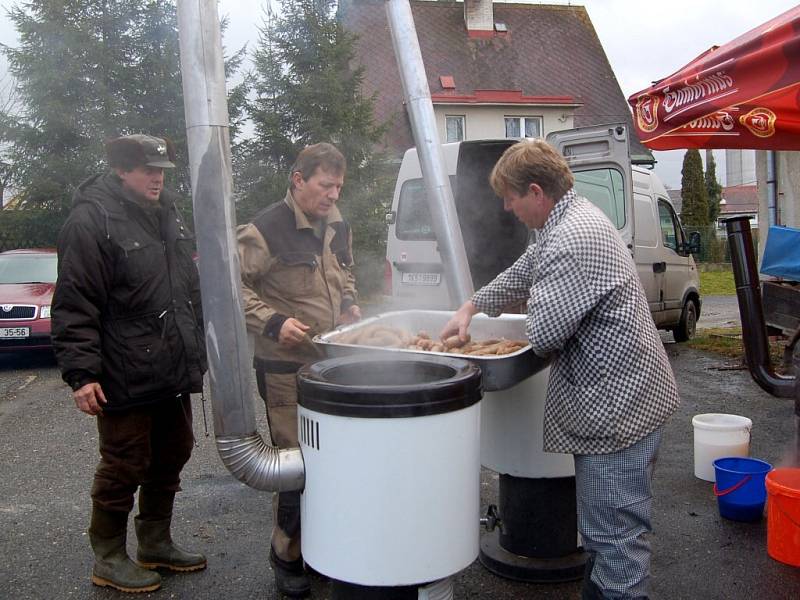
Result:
783,515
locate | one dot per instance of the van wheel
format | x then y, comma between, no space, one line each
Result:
688,324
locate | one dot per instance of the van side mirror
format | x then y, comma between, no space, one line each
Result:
391,217
694,242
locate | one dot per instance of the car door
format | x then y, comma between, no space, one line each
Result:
675,258
599,157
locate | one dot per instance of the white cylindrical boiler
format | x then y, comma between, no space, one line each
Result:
392,468
512,431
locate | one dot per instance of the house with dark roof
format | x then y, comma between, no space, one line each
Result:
739,201
494,70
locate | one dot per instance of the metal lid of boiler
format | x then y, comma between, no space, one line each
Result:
389,387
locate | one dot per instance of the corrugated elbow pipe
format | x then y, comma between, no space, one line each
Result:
261,466
748,292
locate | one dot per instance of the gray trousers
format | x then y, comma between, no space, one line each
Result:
615,502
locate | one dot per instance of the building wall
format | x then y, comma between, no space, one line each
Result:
740,167
487,122
788,175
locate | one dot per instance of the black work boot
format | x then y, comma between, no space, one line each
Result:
112,566
156,548
290,577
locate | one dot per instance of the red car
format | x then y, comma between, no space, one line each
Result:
27,281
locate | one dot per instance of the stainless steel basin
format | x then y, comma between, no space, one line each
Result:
499,372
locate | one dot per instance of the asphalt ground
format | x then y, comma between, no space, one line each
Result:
49,451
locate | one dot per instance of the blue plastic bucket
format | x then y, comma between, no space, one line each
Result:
740,488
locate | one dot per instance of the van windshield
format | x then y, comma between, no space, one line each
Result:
413,214
604,189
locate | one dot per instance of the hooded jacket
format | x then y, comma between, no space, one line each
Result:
126,308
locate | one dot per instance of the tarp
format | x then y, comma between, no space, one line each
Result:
744,94
782,253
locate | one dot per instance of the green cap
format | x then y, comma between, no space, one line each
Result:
139,150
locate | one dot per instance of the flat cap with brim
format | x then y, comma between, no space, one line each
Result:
139,150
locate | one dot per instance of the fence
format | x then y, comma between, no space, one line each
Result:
714,248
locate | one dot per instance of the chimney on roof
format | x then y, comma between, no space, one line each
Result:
479,15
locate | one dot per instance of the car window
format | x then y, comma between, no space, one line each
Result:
28,269
604,188
671,232
413,214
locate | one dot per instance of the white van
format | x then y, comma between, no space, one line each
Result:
632,197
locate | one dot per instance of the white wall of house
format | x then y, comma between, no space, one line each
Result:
488,122
788,174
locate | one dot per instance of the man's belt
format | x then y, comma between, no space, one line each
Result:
277,367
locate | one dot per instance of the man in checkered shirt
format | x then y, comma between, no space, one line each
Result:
611,385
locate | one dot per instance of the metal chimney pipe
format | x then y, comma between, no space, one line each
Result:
240,446
754,331
423,126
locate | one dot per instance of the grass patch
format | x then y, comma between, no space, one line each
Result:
717,283
727,341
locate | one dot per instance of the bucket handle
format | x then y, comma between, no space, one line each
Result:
733,488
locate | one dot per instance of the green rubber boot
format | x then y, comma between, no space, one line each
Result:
156,548
112,566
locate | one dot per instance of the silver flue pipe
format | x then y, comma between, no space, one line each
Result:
241,447
423,126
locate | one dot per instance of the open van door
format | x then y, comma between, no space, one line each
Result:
599,157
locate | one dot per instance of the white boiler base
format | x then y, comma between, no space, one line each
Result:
512,432
393,501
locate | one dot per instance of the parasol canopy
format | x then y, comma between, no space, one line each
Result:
744,94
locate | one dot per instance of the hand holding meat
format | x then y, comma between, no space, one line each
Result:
292,332
459,322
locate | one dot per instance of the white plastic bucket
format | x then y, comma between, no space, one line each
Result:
717,436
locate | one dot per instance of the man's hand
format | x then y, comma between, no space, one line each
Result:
459,322
89,398
351,315
292,332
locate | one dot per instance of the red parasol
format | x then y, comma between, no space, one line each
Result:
745,94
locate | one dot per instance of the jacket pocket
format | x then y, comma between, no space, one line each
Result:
586,411
295,273
148,357
139,259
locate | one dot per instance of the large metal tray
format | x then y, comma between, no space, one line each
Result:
499,372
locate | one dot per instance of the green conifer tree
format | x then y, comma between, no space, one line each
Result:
713,188
694,209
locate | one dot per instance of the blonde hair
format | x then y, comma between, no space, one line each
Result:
532,161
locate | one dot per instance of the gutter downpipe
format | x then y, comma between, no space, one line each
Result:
751,311
240,445
423,126
772,189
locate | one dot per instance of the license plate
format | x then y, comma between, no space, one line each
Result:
14,332
422,278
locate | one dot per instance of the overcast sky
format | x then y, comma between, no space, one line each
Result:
643,40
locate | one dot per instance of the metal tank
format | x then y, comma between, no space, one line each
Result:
391,451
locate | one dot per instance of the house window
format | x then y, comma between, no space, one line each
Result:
454,126
518,127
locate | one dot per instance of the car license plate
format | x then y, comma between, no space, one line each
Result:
14,332
422,278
